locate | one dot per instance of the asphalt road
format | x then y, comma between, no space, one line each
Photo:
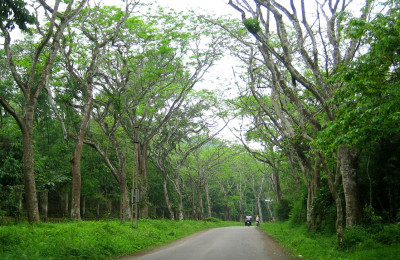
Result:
219,243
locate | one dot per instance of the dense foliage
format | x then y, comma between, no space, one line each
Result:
92,240
102,115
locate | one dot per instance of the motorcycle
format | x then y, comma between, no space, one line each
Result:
247,223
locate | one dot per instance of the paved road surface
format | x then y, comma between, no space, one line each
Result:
218,244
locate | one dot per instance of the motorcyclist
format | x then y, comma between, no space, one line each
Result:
248,219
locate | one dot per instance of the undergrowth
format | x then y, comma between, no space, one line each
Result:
93,239
359,242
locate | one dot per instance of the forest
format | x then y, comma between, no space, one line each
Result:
112,112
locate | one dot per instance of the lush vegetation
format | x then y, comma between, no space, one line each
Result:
93,239
103,116
378,242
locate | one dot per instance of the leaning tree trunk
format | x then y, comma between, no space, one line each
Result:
348,160
166,196
270,211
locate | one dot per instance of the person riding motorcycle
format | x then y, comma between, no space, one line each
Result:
247,222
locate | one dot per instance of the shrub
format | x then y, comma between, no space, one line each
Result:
355,236
282,210
389,235
212,219
298,213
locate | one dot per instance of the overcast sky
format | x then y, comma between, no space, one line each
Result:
218,7
211,6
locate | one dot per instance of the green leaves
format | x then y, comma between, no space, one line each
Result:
253,25
368,100
14,12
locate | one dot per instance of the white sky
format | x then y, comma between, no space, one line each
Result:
218,7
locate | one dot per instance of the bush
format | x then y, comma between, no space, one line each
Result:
212,219
282,210
355,236
389,235
298,213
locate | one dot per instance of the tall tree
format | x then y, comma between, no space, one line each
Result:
159,74
99,27
31,78
292,18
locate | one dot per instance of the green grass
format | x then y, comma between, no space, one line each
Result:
311,245
92,239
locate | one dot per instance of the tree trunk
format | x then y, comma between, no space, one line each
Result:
278,191
83,204
180,206
76,160
166,196
339,218
227,208
270,211
207,200
44,203
29,175
66,204
109,207
259,209
144,196
18,200
348,161
125,209
98,209
200,201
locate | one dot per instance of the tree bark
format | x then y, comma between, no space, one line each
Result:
83,204
76,160
206,190
29,175
125,209
348,170
166,196
277,184
200,201
44,202
66,205
144,209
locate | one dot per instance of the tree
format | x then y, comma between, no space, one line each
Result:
305,84
30,78
158,75
14,12
186,131
99,30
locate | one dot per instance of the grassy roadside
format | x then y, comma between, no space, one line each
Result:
92,239
311,245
